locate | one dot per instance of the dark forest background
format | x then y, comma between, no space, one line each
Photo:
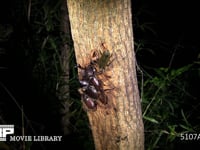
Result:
166,36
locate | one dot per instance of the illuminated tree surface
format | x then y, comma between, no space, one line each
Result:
109,23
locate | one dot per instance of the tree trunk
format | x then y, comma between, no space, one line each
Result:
109,23
63,93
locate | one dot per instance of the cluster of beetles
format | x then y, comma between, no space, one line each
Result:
92,90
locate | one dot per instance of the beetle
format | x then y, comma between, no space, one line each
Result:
89,102
99,93
88,71
91,86
91,91
89,77
84,83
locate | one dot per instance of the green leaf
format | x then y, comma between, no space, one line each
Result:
186,128
150,119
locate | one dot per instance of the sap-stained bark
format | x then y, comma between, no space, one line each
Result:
118,126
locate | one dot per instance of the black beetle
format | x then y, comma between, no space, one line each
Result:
91,91
89,102
84,83
91,87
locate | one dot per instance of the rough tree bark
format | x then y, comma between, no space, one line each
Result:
94,22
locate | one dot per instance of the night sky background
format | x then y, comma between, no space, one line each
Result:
175,22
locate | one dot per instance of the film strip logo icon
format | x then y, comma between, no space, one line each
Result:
5,130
